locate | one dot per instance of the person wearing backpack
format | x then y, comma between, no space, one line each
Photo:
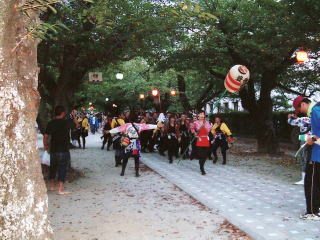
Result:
130,142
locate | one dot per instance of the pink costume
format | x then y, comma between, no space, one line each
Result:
195,126
134,146
129,129
202,129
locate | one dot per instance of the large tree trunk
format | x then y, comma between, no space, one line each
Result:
44,115
46,86
67,85
266,135
23,197
64,96
182,93
261,113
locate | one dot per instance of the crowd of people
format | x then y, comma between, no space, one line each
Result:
132,133
176,135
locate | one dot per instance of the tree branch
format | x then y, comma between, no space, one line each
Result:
289,90
216,74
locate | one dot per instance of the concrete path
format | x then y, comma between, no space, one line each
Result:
105,206
264,209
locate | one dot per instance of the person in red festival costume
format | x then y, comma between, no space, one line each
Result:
201,129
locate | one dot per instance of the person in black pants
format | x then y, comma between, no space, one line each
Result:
220,133
84,128
75,134
201,130
185,136
312,178
173,138
130,142
107,138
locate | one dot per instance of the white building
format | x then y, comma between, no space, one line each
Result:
225,105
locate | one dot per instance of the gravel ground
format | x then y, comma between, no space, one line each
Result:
105,206
283,167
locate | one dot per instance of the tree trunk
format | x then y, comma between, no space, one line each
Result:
182,93
67,84
261,113
266,135
23,197
44,115
64,96
46,86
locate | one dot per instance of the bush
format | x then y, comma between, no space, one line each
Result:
240,124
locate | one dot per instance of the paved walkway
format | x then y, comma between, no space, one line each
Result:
262,208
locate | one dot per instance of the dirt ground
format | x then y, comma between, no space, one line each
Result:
105,206
283,167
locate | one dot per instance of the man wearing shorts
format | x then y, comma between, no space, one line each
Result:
59,131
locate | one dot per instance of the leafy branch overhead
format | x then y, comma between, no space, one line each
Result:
43,30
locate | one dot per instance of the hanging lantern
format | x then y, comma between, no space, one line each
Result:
173,92
302,56
237,77
141,96
155,92
119,76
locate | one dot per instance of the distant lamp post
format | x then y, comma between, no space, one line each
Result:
107,99
114,105
141,96
173,92
155,92
302,56
119,76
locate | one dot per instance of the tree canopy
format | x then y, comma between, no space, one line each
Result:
189,45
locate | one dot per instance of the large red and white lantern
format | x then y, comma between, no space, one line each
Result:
237,77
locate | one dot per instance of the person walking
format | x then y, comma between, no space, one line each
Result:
173,138
116,138
59,131
184,129
84,128
93,121
201,129
107,138
193,143
304,124
312,178
75,130
131,143
221,133
159,136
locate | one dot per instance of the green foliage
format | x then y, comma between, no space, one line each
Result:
200,40
47,31
100,34
139,78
